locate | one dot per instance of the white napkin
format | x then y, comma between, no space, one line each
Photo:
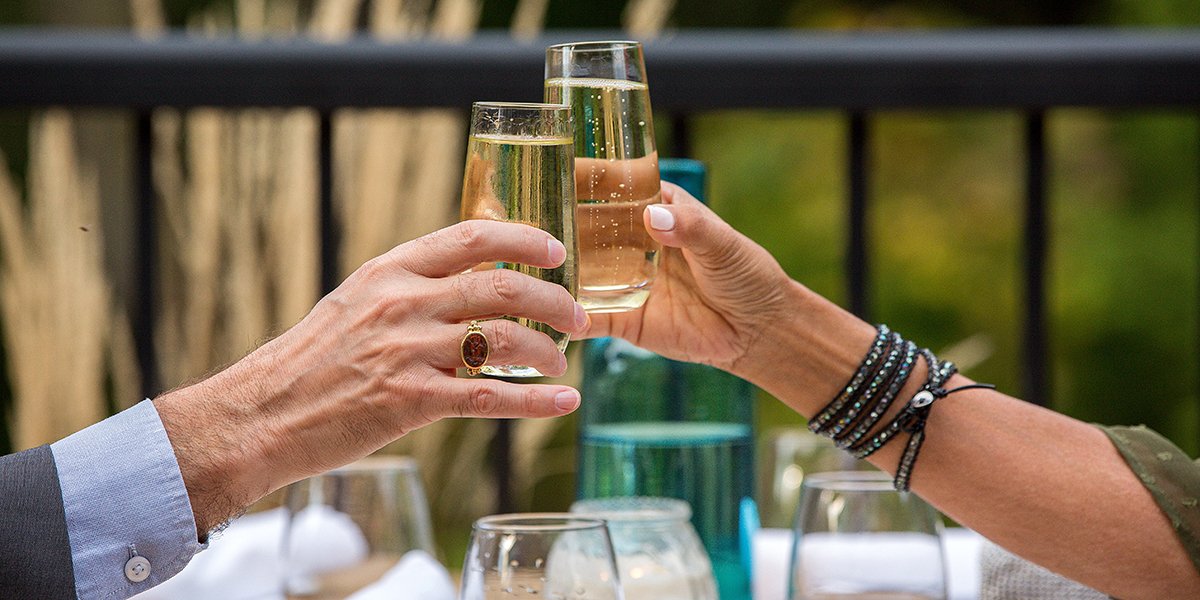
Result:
244,561
247,562
418,576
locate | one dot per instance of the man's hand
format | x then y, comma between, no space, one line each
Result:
375,359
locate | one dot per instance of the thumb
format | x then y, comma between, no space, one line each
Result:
682,221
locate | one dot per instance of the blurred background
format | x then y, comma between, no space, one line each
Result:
238,235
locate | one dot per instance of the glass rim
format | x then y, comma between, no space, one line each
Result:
538,523
373,464
596,45
850,481
633,509
547,106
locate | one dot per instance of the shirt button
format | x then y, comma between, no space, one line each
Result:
137,569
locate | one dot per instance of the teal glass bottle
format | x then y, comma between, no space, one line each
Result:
658,427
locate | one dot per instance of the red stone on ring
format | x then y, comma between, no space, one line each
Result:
474,349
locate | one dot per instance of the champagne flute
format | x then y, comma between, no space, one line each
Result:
540,556
616,168
857,538
519,168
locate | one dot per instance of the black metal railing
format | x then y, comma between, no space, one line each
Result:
1029,71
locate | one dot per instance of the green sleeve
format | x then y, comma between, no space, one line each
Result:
1170,476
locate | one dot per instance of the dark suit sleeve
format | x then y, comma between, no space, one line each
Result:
35,552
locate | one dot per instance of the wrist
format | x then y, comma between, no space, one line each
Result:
810,351
214,431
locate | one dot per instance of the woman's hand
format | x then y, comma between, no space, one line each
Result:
717,292
375,359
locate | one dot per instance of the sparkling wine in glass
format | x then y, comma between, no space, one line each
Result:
519,168
549,556
616,168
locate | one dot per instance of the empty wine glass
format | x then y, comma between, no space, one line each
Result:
859,538
659,555
541,555
787,455
349,526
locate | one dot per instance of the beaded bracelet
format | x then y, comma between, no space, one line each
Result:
887,372
868,366
856,411
938,373
879,409
891,378
918,410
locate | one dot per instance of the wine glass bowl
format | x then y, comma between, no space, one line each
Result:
350,526
550,556
857,538
659,554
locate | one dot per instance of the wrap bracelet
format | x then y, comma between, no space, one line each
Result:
859,407
917,413
867,397
939,372
866,368
879,409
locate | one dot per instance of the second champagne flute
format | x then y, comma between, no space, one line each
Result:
616,168
520,168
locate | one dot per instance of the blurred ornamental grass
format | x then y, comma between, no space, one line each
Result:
239,255
66,338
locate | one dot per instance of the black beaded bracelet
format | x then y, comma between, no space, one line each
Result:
850,417
895,370
917,412
938,373
868,366
875,412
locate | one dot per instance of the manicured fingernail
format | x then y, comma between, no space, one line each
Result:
557,251
567,401
581,318
661,218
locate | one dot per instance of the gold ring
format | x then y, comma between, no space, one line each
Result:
474,348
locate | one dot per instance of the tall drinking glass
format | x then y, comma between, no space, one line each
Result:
519,168
616,168
857,538
541,556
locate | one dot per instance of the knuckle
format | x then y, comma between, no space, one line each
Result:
502,339
505,285
482,401
468,234
531,401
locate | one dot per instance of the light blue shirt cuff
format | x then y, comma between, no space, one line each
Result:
124,498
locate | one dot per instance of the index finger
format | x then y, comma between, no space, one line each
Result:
459,247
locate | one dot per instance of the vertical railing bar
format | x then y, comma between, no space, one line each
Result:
501,461
1196,334
856,240
144,308
1034,355
328,221
681,134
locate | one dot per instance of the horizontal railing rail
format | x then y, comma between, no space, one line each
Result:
1026,70
691,71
